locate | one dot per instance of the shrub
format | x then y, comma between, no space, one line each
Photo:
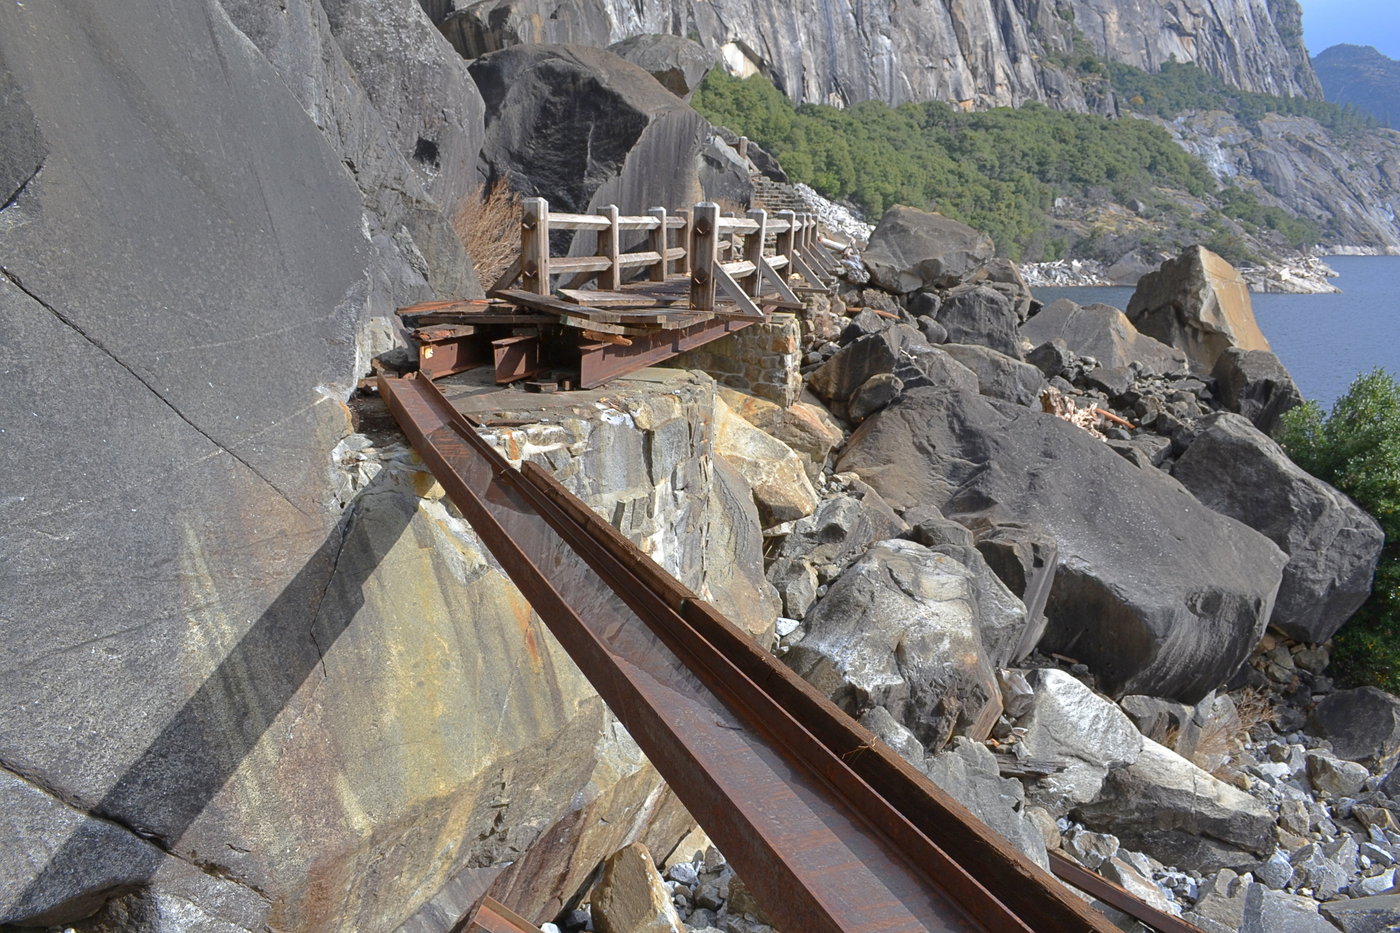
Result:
488,224
1356,447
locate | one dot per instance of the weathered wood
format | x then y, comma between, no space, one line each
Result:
787,235
508,277
747,309
778,281
753,252
685,217
579,264
739,268
534,246
610,248
563,221
659,241
704,255
616,340
453,305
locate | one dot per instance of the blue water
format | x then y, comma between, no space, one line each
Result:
1326,341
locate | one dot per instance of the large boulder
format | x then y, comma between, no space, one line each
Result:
1363,725
899,629
981,315
805,426
631,896
1199,304
1256,384
679,64
1070,725
1331,543
912,249
1103,332
1157,593
1165,806
586,128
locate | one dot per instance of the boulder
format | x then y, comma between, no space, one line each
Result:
805,426
1070,723
912,249
1377,914
894,734
1335,777
821,546
1165,806
1024,557
900,350
968,772
1331,543
678,64
1199,304
978,314
585,128
486,26
781,489
999,376
872,395
1100,331
899,629
1362,724
631,897
1154,717
1156,593
1254,383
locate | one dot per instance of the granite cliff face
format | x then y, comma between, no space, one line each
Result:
981,53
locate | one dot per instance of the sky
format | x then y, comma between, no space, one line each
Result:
1358,22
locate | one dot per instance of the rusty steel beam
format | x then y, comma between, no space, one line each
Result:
827,841
599,362
1116,896
516,358
438,358
491,916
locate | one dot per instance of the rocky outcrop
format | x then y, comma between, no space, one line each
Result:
1361,77
982,54
585,128
1198,304
1331,543
678,64
913,249
1147,614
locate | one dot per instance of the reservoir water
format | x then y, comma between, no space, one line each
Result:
1326,341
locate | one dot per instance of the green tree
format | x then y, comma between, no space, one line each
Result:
1356,447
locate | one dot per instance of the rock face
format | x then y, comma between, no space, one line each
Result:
1147,614
1331,543
984,53
1199,304
1102,332
585,128
1069,723
913,249
899,629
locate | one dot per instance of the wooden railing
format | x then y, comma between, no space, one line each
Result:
746,257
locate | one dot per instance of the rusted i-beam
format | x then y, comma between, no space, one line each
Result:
831,830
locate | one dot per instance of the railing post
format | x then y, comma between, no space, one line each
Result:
534,245
610,248
660,242
753,252
683,267
704,255
744,147
787,239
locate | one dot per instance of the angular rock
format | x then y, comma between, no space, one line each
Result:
1090,849
1069,723
1254,383
1123,874
1156,593
678,64
1024,557
630,896
1199,304
899,629
912,249
894,734
1102,332
820,547
584,128
1333,545
872,395
1155,717
1053,358
1335,777
998,375
1379,914
1167,807
968,771
780,486
1363,725
900,350
805,426
983,316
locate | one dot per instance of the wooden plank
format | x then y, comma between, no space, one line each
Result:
747,310
614,339
645,258
779,283
534,246
579,264
508,277
739,268
455,304
547,303
603,327
610,248
485,317
564,221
